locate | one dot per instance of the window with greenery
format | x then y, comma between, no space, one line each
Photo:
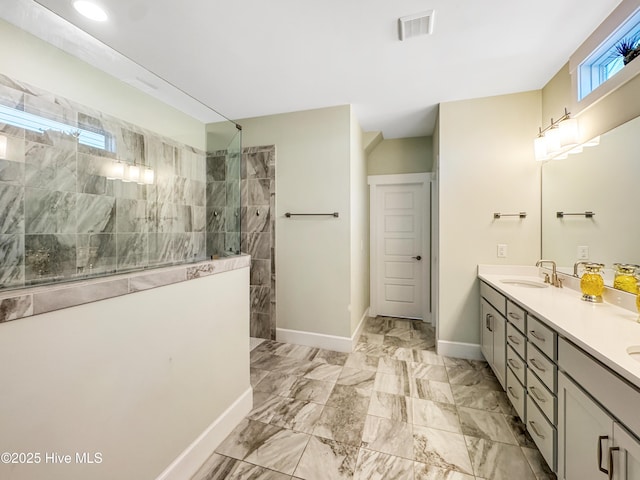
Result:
610,57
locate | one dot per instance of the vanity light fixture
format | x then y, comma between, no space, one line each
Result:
559,139
133,173
90,10
3,147
116,171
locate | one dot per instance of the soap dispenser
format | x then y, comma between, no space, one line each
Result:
592,283
625,279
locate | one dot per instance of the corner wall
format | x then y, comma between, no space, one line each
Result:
485,165
313,254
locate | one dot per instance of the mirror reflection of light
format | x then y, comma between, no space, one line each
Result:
90,10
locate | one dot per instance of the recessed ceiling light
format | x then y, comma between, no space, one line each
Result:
90,10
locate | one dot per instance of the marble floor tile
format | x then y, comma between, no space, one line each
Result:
478,379
362,379
538,464
420,388
406,342
296,415
265,445
375,350
392,366
391,407
445,450
322,371
350,398
327,459
373,465
395,384
498,461
341,425
429,472
254,342
362,361
486,425
519,431
436,373
331,357
219,467
311,390
442,416
264,406
300,352
418,356
255,375
276,383
388,436
480,399
372,338
441,392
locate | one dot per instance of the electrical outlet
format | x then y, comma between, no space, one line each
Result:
502,250
583,252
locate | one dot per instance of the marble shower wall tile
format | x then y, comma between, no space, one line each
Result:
96,253
12,260
48,257
49,167
12,206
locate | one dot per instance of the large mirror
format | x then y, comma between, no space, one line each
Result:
602,180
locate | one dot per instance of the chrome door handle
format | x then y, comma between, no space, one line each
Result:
417,257
513,394
513,364
535,364
535,429
536,336
513,339
537,396
603,437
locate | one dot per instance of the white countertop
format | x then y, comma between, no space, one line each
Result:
603,330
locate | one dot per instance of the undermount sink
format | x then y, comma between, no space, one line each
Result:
520,282
634,352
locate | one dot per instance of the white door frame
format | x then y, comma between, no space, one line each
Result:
374,182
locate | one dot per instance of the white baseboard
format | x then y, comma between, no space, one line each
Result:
470,351
194,456
321,340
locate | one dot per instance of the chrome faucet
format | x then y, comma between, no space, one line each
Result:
555,281
575,268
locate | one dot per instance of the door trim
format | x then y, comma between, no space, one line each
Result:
375,181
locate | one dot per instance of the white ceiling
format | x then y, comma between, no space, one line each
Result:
258,57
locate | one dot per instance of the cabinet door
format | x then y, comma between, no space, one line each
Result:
486,330
584,434
624,457
500,348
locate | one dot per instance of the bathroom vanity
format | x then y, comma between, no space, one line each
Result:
570,369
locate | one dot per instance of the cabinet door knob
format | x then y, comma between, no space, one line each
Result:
417,257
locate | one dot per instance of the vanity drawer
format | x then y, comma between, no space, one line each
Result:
516,340
516,364
541,395
517,394
544,368
495,298
542,432
542,337
516,316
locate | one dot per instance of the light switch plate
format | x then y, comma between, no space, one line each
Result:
502,250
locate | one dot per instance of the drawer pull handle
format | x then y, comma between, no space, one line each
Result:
537,336
514,340
512,393
535,429
514,364
534,362
537,396
600,439
515,316
489,317
611,450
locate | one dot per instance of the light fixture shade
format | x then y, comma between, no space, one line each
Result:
552,138
90,10
540,149
568,131
149,176
116,171
3,147
133,173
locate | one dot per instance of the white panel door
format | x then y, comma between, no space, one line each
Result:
400,257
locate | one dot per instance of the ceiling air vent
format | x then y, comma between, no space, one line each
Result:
416,25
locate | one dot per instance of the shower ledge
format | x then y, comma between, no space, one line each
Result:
25,302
